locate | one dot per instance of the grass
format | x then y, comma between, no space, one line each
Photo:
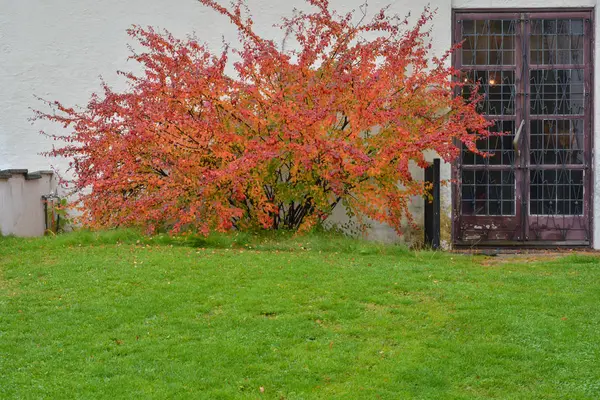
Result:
118,315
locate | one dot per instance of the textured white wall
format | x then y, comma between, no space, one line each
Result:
58,49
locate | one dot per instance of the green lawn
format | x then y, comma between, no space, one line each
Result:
117,315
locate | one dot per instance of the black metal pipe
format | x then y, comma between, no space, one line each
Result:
432,207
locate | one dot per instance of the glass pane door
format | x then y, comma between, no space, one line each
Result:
488,199
559,143
533,72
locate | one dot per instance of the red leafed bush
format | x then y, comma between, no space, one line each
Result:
276,144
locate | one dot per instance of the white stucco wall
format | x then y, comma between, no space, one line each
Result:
58,49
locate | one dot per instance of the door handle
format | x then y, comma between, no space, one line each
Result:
517,137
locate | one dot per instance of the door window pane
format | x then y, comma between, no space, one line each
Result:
556,142
556,192
498,147
496,87
488,42
486,192
557,92
556,41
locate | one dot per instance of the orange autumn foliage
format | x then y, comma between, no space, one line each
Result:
280,142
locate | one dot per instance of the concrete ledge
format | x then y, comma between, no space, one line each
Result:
15,171
8,173
33,175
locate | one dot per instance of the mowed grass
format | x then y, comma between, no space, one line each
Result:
117,315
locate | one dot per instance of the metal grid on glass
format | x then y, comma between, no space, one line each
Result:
558,91
556,142
488,42
497,89
486,192
498,147
556,41
556,192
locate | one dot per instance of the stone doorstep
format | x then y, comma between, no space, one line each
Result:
524,252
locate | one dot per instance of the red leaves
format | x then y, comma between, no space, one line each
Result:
341,118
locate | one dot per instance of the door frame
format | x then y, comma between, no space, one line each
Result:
587,13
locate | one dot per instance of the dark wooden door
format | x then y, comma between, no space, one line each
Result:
534,72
